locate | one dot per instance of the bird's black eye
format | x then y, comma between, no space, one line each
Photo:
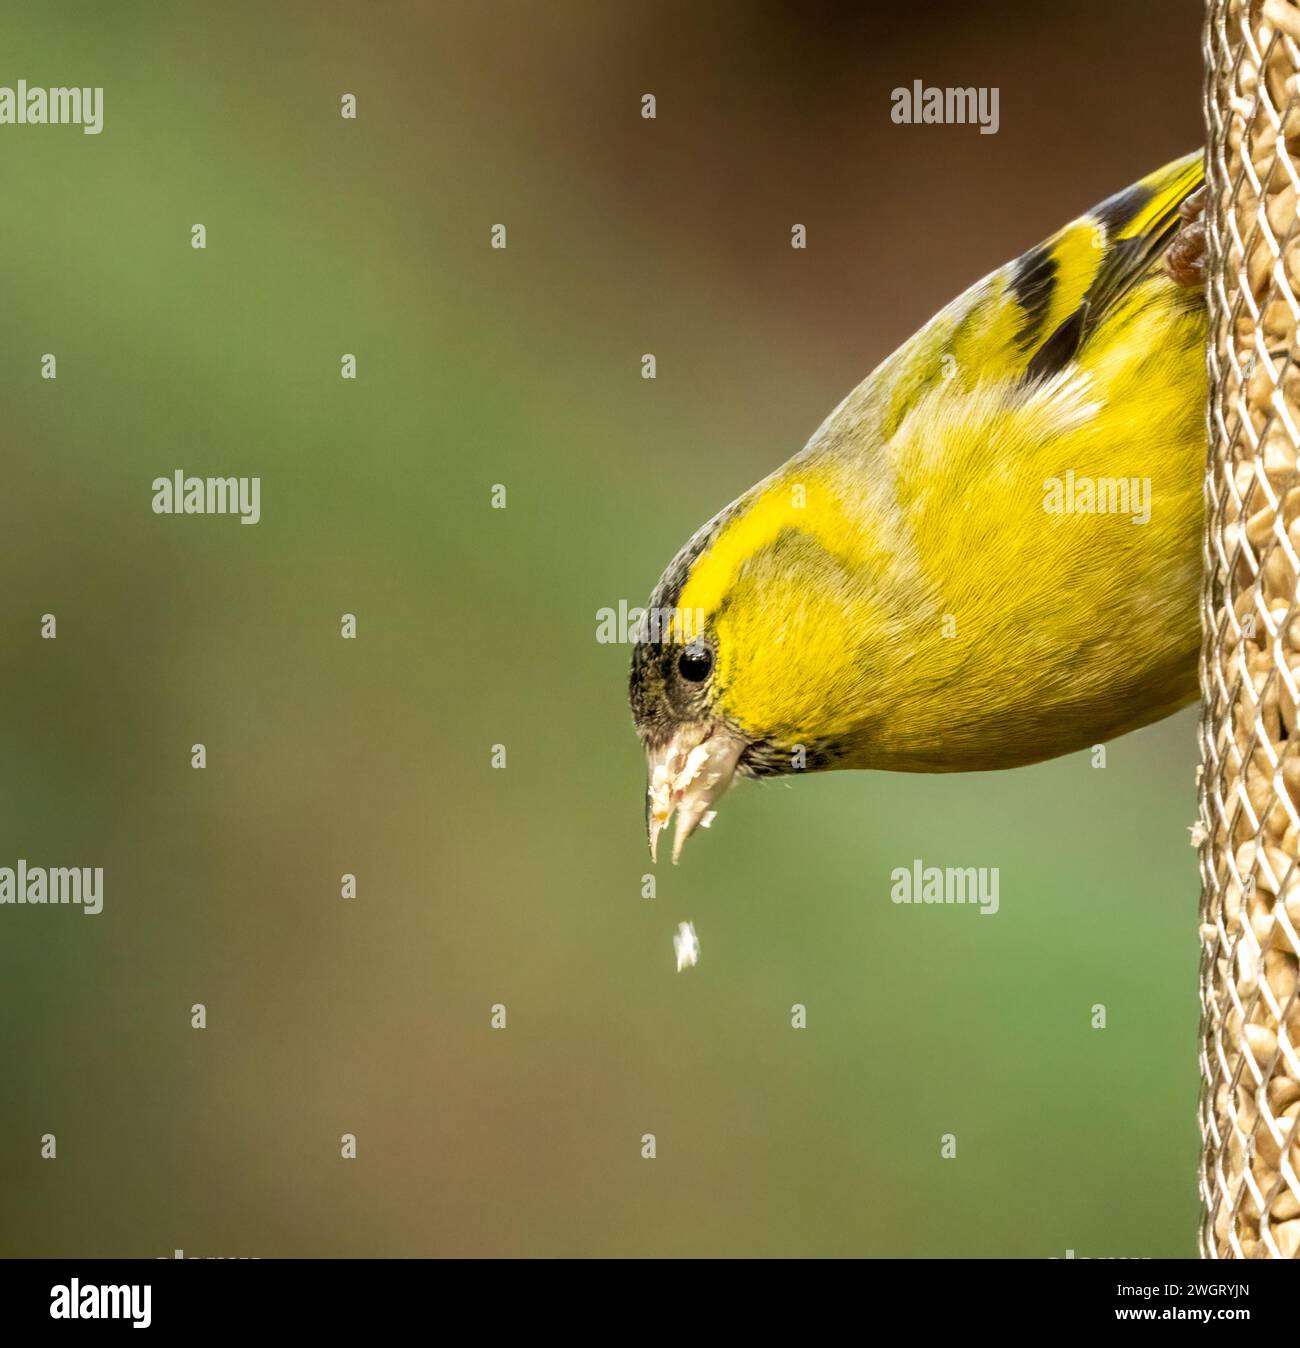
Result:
695,663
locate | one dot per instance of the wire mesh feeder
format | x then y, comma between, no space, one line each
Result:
1250,662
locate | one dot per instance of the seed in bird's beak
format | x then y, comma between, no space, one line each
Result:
688,774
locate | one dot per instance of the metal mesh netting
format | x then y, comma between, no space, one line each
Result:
1250,664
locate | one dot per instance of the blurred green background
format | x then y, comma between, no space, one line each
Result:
477,627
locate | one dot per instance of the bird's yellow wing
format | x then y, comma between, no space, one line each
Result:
1030,318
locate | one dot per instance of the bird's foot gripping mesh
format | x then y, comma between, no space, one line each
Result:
1250,667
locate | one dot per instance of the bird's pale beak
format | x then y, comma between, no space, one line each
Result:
688,773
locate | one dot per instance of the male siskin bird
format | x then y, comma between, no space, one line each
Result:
987,555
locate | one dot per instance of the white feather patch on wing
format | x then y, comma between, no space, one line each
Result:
982,430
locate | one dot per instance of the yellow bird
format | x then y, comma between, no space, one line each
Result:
987,555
